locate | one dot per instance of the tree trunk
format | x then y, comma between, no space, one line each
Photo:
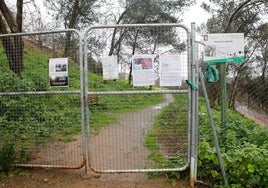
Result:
133,52
71,25
14,50
13,45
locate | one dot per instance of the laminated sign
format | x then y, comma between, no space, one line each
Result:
224,47
110,70
170,70
143,70
58,72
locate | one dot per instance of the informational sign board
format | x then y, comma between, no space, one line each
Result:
109,68
58,72
143,70
224,47
170,70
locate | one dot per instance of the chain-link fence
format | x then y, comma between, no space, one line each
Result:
40,98
138,117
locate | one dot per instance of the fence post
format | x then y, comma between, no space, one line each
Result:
194,108
223,95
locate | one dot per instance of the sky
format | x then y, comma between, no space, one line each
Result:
193,14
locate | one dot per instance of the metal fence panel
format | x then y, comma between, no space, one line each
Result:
43,122
136,129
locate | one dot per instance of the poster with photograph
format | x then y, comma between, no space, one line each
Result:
170,70
58,72
224,47
143,70
109,68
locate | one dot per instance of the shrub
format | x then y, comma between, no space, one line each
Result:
7,157
244,150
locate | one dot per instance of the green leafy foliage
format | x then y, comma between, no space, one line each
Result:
7,157
243,146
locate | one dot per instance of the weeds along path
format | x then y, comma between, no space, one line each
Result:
121,146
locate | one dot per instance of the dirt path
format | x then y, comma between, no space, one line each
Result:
116,147
121,146
259,118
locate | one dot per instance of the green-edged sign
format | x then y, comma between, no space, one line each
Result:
224,48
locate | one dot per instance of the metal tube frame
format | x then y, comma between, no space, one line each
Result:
81,92
133,92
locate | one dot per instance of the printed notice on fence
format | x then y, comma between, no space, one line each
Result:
170,70
58,72
224,47
143,70
109,68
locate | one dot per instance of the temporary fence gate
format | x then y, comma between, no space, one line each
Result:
143,126
41,107
146,125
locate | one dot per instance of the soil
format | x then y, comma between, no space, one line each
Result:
112,141
44,178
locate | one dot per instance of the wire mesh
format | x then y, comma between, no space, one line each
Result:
39,116
245,94
136,127
250,97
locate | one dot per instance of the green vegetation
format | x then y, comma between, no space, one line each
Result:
243,143
245,151
7,157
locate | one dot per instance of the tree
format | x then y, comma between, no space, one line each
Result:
13,45
74,14
146,11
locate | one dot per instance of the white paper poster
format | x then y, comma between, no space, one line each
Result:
58,72
143,70
109,68
224,47
170,70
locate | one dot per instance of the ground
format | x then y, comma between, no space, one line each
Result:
46,178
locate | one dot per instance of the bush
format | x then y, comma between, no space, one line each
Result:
7,157
244,150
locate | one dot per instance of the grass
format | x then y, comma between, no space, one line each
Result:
170,131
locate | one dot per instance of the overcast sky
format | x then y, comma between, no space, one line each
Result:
193,14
